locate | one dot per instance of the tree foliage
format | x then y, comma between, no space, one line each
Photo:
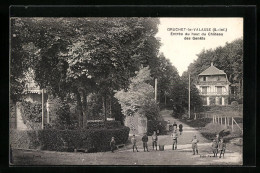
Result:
139,98
228,58
81,55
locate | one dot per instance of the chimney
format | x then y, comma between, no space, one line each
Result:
211,63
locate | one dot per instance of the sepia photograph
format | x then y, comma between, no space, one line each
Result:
126,91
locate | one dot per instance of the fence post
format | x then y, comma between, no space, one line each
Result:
232,124
213,119
221,120
225,121
195,116
228,121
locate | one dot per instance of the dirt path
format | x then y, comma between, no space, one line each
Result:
188,132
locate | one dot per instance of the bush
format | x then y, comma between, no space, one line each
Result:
210,130
234,103
26,139
153,125
54,140
102,124
32,114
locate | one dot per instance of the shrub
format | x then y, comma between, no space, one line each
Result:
32,114
153,125
24,139
234,103
210,130
54,140
102,124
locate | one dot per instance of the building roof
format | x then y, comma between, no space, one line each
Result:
212,70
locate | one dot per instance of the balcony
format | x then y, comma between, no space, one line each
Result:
213,83
214,93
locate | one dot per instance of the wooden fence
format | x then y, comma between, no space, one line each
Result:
226,121
222,120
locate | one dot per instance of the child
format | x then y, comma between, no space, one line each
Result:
174,138
145,140
217,138
113,144
174,126
194,145
134,143
154,138
221,147
214,146
180,128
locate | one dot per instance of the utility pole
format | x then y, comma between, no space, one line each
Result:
42,108
189,96
155,89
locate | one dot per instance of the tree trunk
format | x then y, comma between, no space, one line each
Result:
84,108
165,98
110,106
105,107
80,111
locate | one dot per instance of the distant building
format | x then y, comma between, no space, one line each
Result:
213,86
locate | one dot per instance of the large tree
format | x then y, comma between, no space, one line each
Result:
83,55
228,58
139,98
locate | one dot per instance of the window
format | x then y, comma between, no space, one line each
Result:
204,100
204,78
204,90
219,89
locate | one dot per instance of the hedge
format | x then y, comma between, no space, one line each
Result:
102,124
53,140
152,126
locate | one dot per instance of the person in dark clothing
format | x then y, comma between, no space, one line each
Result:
159,128
221,147
134,143
113,144
180,129
214,147
145,140
217,138
154,139
174,126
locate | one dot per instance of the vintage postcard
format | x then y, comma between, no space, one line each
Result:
126,91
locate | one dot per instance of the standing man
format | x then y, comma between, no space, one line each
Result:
174,138
134,143
159,128
145,140
174,126
154,139
180,128
221,147
217,138
194,144
214,147
113,144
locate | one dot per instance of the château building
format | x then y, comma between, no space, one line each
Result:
213,86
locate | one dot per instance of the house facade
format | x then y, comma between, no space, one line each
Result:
213,86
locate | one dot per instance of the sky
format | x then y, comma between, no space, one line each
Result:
183,52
